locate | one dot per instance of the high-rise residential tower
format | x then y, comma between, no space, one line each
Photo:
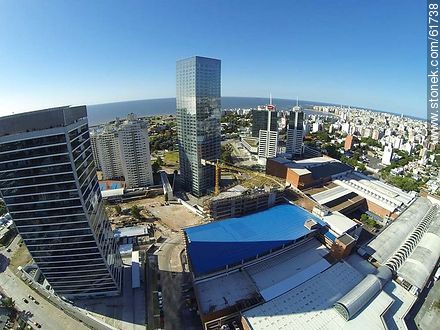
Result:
122,149
198,106
48,182
295,132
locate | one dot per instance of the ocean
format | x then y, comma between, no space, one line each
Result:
102,113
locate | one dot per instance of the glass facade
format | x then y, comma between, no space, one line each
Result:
260,120
49,184
295,132
198,105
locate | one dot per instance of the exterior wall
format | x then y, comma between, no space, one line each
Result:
263,120
340,251
380,211
198,107
268,135
135,156
243,204
348,142
123,150
295,133
93,142
48,182
245,324
299,181
108,154
267,144
276,169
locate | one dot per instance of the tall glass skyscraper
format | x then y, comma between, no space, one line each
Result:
295,132
49,184
198,106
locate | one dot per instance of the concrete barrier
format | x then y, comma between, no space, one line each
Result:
191,208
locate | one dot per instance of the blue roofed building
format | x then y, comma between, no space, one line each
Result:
229,243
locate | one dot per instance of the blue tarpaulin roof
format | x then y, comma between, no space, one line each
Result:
213,246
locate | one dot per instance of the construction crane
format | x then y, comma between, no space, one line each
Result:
219,166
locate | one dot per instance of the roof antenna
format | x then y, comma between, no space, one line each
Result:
297,101
270,98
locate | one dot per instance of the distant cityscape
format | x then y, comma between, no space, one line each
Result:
297,215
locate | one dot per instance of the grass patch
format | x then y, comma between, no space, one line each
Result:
171,157
21,257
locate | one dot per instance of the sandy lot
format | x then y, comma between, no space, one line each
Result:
174,216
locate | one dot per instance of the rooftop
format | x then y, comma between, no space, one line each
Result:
331,194
283,272
224,291
131,231
418,267
41,119
213,246
319,167
309,306
387,196
391,238
339,223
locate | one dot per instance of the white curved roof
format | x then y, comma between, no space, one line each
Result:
391,238
419,265
360,295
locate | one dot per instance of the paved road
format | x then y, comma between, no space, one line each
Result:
177,315
50,317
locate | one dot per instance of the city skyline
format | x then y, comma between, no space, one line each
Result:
99,62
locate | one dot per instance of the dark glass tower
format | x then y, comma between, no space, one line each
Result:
260,119
295,133
198,106
49,184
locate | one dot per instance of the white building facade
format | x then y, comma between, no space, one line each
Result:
123,150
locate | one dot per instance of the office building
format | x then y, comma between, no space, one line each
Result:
198,106
123,150
266,121
262,120
295,133
49,184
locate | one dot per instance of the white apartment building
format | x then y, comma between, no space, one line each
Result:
387,155
123,150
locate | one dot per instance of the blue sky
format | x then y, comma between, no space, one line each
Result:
365,53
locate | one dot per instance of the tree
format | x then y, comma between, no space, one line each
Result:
159,161
3,209
155,167
8,302
135,212
226,153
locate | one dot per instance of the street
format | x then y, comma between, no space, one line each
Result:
45,313
177,314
